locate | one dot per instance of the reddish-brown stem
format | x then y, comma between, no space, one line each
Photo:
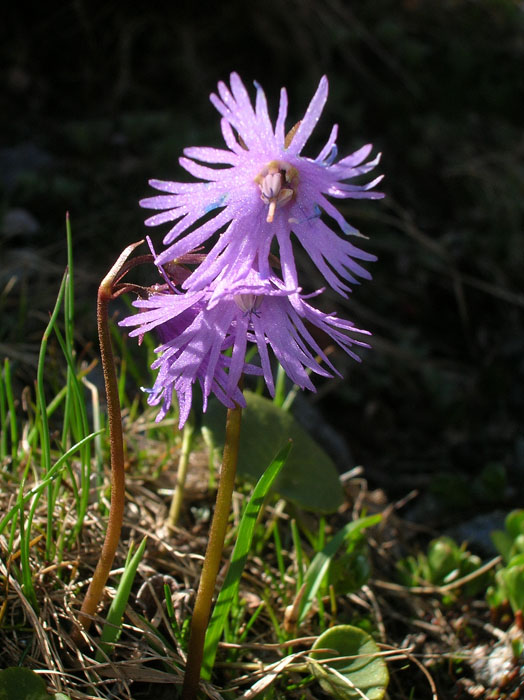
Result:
116,511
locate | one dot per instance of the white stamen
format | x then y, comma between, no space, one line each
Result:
271,210
271,181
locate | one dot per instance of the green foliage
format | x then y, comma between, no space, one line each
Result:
322,561
23,684
309,477
361,673
180,632
509,582
42,458
350,570
444,563
54,473
509,579
510,541
113,625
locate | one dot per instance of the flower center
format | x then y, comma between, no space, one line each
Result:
277,182
249,303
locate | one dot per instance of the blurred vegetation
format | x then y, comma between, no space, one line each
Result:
99,97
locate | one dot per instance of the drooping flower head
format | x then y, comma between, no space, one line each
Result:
183,358
197,328
261,188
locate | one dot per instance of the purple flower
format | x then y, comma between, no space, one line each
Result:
262,188
198,327
183,356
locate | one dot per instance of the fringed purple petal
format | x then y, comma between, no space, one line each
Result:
310,119
355,158
263,121
193,239
201,171
239,351
211,155
280,126
330,145
262,344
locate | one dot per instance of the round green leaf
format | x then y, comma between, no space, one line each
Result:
22,684
363,675
443,559
512,578
309,477
514,522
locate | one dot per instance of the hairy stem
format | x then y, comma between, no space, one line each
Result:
116,511
213,556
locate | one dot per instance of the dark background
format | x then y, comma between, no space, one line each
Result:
99,97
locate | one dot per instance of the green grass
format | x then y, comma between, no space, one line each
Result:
293,575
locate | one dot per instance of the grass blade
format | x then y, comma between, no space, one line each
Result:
45,440
113,625
297,546
321,561
11,407
55,403
40,393
55,470
3,419
79,426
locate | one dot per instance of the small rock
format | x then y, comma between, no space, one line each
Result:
497,667
477,532
18,160
19,222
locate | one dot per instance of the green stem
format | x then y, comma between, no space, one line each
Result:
183,463
116,511
213,556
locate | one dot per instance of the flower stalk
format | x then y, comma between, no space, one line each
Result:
213,556
183,463
106,292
